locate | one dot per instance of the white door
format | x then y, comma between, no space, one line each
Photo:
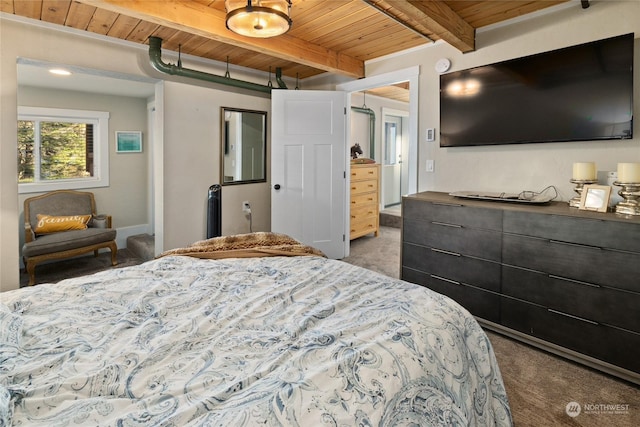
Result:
308,168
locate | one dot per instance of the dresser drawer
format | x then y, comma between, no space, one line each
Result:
582,299
452,214
364,212
612,345
359,187
478,302
484,244
607,234
367,172
470,271
360,200
590,264
362,226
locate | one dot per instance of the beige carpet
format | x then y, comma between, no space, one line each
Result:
55,271
539,385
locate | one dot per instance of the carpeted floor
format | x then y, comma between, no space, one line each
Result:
79,266
539,385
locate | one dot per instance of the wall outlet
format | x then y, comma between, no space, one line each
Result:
246,207
430,165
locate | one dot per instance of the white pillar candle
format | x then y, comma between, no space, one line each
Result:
629,173
584,171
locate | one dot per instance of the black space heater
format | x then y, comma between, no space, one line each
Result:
214,211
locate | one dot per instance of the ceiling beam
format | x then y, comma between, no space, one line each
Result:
429,18
204,21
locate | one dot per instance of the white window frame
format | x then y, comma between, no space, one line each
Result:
100,119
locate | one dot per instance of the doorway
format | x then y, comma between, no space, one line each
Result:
411,76
410,152
102,90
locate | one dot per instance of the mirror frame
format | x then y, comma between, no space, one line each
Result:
224,145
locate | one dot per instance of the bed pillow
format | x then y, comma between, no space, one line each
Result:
52,224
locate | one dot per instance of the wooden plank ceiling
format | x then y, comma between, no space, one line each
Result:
327,35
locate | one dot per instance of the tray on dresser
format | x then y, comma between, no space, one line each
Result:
503,197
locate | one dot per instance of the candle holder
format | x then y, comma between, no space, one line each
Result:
630,192
580,183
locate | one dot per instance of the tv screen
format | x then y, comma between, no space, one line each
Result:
578,93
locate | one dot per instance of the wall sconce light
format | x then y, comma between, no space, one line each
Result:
258,18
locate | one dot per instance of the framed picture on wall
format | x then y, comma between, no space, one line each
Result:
128,142
595,198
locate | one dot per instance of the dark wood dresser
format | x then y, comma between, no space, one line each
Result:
559,278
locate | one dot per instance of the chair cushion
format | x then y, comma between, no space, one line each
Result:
66,240
53,224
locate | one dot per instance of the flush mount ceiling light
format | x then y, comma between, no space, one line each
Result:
258,18
59,72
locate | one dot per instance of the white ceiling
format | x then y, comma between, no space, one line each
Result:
36,74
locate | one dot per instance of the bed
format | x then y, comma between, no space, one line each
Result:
257,336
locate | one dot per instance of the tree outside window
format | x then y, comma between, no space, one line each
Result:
61,149
65,150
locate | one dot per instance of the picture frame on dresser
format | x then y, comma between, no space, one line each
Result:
595,198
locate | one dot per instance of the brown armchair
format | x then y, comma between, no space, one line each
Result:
87,232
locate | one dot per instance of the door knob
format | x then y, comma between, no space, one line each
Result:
277,186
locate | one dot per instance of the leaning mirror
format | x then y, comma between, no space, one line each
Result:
244,146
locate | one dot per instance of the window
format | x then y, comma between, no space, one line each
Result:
62,149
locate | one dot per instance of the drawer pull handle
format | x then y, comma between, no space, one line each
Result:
558,242
444,279
579,282
442,251
444,224
582,319
447,204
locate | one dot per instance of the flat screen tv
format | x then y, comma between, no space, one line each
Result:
578,93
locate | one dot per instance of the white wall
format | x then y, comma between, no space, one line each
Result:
360,121
192,144
191,134
513,168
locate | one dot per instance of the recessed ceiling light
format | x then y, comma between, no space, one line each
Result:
60,72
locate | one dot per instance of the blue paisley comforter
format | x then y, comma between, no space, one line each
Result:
281,341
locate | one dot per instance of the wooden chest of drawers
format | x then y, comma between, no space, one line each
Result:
365,199
555,277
